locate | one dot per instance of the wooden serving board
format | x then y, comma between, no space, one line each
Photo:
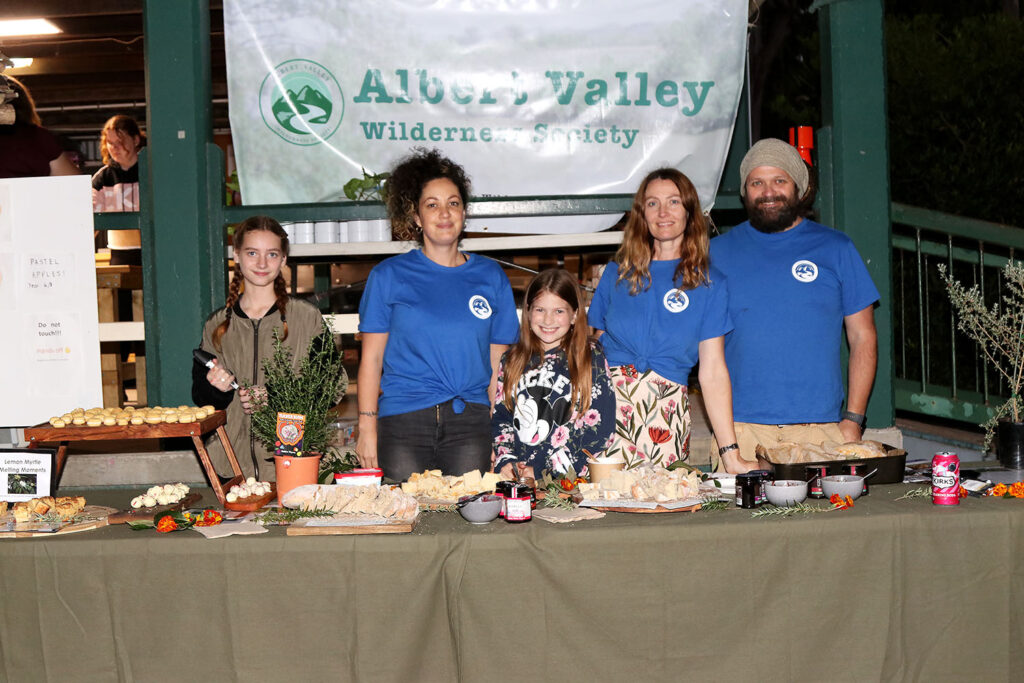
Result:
253,503
139,514
646,511
99,515
46,433
301,528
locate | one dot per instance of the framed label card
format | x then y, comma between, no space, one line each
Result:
25,473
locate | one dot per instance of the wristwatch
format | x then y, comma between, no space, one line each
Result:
855,418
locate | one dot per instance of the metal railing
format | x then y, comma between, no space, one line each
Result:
937,370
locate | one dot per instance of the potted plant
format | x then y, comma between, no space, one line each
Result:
370,187
999,332
311,390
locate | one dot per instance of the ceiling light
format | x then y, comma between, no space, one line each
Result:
26,27
21,62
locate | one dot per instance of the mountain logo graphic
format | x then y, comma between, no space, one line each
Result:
301,102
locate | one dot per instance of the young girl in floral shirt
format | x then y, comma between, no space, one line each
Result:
554,399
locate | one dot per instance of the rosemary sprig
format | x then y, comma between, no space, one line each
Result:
553,500
289,516
798,509
714,504
919,492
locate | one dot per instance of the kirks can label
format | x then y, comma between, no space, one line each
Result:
946,479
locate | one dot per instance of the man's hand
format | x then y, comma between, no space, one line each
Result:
850,430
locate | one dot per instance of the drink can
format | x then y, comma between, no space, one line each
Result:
946,479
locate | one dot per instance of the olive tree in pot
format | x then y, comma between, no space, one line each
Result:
999,332
311,389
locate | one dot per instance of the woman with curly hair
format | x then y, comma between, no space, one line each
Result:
661,309
434,323
241,335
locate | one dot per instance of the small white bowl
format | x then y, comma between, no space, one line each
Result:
786,492
844,484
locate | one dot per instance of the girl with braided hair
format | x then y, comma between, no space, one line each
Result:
241,335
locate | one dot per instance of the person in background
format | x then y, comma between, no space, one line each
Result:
26,148
434,323
554,401
241,335
662,308
794,285
115,187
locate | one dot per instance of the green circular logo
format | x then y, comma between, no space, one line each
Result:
301,102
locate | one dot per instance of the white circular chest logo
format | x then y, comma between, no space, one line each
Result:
675,300
805,271
479,307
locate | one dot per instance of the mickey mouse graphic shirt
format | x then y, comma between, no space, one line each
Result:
543,431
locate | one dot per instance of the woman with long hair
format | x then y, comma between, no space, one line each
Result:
26,148
120,144
241,335
554,402
661,309
434,323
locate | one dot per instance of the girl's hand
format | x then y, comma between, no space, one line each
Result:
506,471
366,449
219,378
250,397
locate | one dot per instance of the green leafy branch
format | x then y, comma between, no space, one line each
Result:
998,331
312,390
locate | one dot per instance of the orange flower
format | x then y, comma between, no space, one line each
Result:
209,518
840,503
849,502
1017,489
835,499
998,491
659,434
963,492
566,484
166,524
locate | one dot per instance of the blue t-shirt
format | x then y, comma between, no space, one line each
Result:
660,328
788,295
440,322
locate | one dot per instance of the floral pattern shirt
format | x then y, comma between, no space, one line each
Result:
543,431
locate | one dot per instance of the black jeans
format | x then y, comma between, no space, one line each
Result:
435,438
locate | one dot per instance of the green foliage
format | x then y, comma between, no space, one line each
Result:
372,186
999,332
334,463
312,390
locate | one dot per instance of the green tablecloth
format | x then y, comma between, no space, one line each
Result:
889,590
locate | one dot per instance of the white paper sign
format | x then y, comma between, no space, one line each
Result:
537,98
50,348
25,473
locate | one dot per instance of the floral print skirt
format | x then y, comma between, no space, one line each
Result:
652,418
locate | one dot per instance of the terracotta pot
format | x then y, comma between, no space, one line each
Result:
293,472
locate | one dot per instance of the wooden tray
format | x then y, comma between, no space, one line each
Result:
138,514
646,511
99,513
253,503
46,433
300,529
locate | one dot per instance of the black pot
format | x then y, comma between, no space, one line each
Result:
1010,444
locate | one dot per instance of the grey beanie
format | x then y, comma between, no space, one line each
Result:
774,152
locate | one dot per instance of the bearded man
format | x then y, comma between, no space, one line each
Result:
794,285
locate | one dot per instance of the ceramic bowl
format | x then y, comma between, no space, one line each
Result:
843,484
786,492
482,510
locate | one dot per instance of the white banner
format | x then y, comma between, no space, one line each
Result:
50,347
532,97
